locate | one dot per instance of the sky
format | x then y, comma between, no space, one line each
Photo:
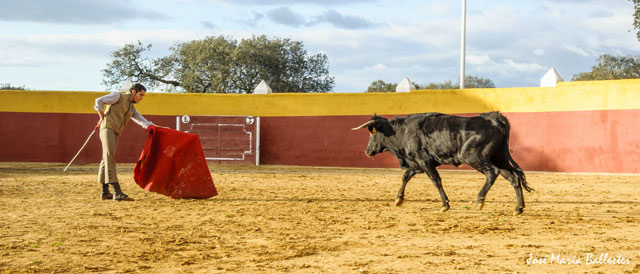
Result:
65,44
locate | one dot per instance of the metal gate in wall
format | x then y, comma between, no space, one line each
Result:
225,138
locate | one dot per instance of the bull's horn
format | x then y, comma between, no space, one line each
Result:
364,125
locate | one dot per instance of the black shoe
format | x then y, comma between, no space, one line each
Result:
122,197
119,196
106,194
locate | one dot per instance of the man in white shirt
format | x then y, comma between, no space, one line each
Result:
113,118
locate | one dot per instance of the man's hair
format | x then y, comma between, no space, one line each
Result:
137,87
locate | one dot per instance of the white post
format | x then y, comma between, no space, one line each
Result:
258,141
462,42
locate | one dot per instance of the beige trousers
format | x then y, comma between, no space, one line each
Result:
107,171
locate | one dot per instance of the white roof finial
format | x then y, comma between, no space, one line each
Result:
126,86
262,88
405,85
551,78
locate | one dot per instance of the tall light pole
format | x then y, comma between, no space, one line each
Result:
462,42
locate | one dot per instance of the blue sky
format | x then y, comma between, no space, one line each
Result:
64,44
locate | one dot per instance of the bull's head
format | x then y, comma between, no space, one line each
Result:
379,129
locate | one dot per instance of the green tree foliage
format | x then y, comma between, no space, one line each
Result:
611,67
8,86
382,86
203,66
444,85
476,82
636,17
469,82
129,63
223,65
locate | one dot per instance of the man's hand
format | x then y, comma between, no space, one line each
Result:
101,114
152,124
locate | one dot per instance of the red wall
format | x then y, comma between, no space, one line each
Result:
318,141
580,141
57,137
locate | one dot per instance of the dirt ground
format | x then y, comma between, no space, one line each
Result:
272,219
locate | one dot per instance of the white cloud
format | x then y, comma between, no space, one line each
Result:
576,50
208,24
439,7
79,12
524,67
286,16
477,59
539,52
379,66
509,42
292,2
340,20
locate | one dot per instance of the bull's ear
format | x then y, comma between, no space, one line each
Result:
373,130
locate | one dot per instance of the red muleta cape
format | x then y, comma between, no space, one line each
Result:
172,163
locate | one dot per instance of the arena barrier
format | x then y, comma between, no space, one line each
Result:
573,127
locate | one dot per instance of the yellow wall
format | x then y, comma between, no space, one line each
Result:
569,96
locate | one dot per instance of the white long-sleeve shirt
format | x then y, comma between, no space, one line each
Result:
112,98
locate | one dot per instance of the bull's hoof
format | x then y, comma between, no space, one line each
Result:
444,209
518,212
480,206
399,201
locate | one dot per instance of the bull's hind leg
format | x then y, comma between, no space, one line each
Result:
408,174
491,173
513,179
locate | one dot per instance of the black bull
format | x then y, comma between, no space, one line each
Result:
422,142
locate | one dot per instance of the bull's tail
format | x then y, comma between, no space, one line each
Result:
498,119
522,180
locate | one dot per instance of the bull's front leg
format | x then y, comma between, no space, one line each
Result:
408,174
437,182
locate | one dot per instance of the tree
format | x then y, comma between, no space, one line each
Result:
282,63
223,65
477,82
128,63
612,67
381,86
8,86
636,17
444,85
469,82
203,66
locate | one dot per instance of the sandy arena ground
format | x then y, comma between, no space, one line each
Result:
273,219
